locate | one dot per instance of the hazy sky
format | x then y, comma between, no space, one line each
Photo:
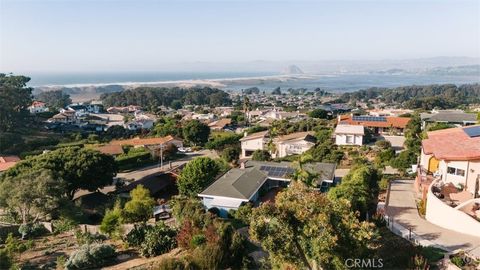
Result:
146,35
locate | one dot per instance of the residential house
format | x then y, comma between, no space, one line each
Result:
293,144
377,124
246,184
141,121
65,117
126,109
38,107
6,162
252,142
457,118
449,178
80,110
389,112
150,142
220,124
113,150
349,134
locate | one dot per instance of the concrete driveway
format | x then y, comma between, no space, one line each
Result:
402,207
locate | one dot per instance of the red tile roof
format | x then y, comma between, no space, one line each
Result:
6,162
392,121
111,149
452,144
145,141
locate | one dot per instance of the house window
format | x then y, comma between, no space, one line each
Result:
455,171
349,139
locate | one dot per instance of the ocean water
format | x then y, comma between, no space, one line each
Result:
331,82
40,79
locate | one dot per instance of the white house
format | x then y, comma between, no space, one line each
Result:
38,107
293,144
349,134
451,158
252,142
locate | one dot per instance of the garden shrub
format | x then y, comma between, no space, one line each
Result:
244,213
112,221
172,263
90,256
86,238
5,259
136,236
158,240
32,230
198,240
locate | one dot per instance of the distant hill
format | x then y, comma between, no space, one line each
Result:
292,69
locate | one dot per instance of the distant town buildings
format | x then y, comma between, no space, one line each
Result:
38,107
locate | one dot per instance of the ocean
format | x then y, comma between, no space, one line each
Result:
331,82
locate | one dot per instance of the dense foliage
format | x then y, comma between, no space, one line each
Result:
79,168
304,228
152,97
31,195
140,206
55,99
90,256
360,188
261,155
425,97
15,97
197,175
195,132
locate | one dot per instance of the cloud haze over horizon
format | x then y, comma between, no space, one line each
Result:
152,35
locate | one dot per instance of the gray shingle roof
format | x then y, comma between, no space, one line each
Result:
449,116
243,183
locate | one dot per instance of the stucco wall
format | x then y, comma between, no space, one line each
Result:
449,218
299,147
252,145
341,139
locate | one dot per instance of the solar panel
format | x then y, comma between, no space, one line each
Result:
274,171
472,131
366,118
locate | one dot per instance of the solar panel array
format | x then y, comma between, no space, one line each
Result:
472,131
278,172
369,118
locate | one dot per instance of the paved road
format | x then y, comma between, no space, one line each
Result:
146,171
401,205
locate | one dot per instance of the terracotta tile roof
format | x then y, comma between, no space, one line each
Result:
452,144
145,141
256,135
37,103
4,159
392,121
111,149
6,162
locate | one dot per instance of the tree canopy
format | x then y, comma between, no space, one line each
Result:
15,97
80,168
197,175
196,132
304,229
152,97
54,99
360,188
31,195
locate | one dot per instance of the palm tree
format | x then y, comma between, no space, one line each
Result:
301,173
246,107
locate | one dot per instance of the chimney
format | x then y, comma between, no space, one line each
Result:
242,165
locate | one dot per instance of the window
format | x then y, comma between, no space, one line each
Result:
455,171
349,139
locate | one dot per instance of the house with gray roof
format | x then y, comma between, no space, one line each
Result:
457,118
246,184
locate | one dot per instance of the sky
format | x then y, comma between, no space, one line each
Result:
87,35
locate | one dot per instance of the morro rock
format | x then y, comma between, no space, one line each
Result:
292,69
